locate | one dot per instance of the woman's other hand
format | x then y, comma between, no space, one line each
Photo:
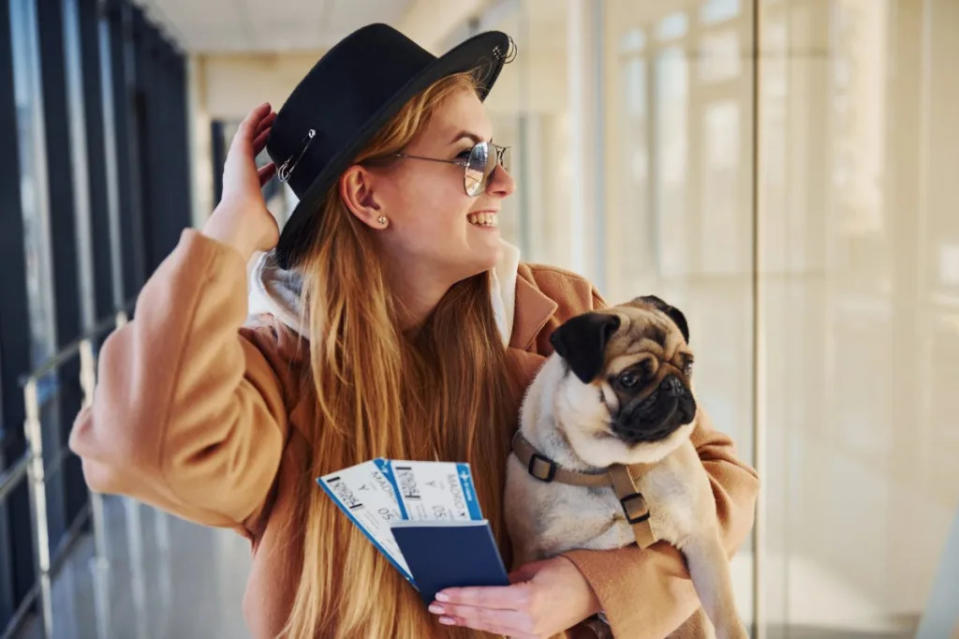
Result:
241,219
544,598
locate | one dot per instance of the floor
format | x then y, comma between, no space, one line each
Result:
187,583
168,578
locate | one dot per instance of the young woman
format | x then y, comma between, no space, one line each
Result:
413,335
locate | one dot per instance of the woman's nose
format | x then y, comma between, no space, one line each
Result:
500,182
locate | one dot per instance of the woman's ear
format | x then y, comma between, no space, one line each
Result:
356,191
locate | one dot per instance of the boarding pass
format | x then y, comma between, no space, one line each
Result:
437,491
367,497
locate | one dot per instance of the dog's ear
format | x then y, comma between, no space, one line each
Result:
581,341
674,313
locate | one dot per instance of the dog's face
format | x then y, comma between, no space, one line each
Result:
626,397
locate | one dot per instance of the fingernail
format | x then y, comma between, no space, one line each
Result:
436,608
442,596
449,621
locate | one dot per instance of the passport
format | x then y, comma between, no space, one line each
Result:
452,553
424,517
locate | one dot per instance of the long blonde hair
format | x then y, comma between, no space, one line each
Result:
441,394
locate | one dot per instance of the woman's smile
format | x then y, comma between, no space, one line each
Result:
484,219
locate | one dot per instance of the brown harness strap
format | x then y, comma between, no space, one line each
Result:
618,476
634,504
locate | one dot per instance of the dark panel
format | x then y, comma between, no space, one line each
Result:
96,165
22,542
219,158
161,123
183,164
63,250
14,336
16,550
128,173
145,91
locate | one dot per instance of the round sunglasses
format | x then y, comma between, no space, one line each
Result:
477,167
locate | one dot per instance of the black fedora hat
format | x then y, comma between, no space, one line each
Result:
352,91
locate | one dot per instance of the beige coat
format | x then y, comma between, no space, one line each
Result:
197,414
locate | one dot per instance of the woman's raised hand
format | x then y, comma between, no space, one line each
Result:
241,219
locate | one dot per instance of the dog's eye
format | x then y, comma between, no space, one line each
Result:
629,379
688,367
635,375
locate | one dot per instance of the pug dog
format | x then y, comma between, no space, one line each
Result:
616,396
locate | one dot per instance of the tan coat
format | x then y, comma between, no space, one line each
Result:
197,414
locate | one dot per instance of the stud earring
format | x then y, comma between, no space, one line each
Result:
382,220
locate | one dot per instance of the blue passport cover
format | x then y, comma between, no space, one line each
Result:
453,553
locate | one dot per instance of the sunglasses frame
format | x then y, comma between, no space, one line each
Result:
479,185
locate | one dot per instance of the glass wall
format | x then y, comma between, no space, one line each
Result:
783,172
860,278
95,194
634,128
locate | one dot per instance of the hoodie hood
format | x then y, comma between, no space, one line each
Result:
277,291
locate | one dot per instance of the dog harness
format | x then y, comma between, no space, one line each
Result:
620,476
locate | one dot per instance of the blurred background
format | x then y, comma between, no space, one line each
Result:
784,171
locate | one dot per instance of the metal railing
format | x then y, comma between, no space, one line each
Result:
30,467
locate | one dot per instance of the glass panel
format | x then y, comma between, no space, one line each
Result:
679,181
860,141
80,172
529,110
669,152
718,10
33,179
721,58
652,176
632,41
672,26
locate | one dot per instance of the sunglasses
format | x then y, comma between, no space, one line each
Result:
477,167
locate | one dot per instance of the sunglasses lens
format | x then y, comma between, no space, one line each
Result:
476,169
481,165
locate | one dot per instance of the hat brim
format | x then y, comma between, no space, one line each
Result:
485,51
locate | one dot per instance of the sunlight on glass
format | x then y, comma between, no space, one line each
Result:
718,10
720,56
632,41
672,26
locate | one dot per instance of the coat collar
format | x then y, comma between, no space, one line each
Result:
519,306
533,309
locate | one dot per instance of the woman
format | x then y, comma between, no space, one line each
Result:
412,335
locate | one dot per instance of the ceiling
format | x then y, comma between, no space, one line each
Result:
234,26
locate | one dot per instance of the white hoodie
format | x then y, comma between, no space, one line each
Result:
277,291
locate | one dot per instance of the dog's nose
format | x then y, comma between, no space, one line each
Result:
672,386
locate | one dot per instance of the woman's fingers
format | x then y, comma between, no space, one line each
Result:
248,141
239,158
249,124
505,597
504,622
262,124
266,172
266,122
262,133
260,141
498,609
242,143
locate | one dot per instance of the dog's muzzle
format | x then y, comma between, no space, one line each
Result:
656,415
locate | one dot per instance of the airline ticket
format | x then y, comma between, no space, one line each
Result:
367,497
428,490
